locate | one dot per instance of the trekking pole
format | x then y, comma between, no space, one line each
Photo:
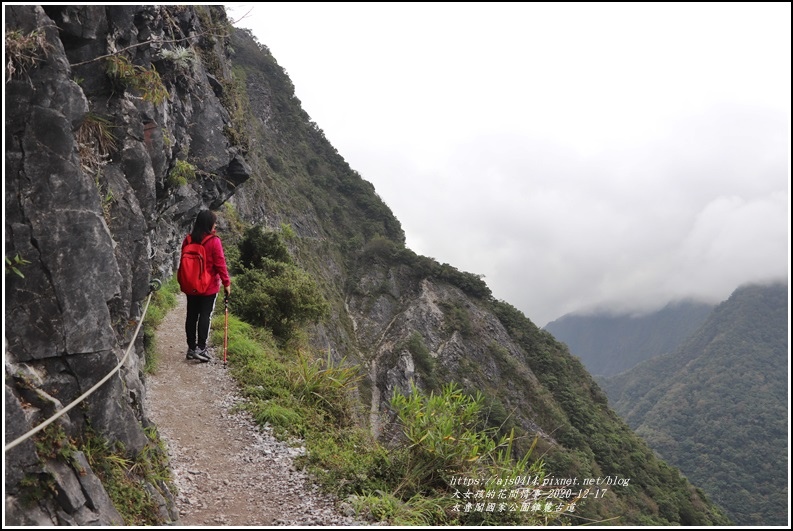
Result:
226,333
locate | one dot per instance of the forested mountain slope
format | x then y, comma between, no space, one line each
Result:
608,344
718,407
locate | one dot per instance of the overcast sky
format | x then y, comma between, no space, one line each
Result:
577,155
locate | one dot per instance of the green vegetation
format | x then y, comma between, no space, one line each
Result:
423,360
181,173
13,265
284,384
126,478
610,344
380,250
24,51
35,487
446,442
457,319
52,444
593,436
144,80
182,58
161,302
258,246
235,99
717,408
410,483
271,290
236,225
214,22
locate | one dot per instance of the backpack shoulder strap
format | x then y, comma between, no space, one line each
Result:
207,238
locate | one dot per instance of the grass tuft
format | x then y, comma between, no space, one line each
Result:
24,51
162,302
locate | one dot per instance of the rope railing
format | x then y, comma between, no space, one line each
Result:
154,286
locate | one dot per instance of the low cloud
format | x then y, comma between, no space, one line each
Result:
694,213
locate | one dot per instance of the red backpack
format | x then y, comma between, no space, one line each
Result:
193,275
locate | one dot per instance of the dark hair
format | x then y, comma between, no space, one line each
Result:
203,225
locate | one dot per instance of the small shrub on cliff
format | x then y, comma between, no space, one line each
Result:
35,487
446,444
280,301
53,443
181,173
257,246
456,318
23,51
326,386
272,292
423,360
95,144
145,80
183,58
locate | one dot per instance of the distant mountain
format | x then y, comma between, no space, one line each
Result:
717,408
608,344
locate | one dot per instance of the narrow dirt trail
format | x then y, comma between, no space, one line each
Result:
228,471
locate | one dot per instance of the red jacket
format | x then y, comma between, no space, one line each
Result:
216,263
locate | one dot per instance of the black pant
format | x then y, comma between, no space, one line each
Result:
199,312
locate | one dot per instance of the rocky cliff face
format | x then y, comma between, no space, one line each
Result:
426,332
95,207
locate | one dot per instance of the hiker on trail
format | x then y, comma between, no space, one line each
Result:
201,272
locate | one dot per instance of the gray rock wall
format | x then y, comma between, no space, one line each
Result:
389,306
94,227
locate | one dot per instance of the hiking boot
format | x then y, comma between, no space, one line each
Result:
202,355
191,354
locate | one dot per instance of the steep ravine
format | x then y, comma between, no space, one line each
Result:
228,472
